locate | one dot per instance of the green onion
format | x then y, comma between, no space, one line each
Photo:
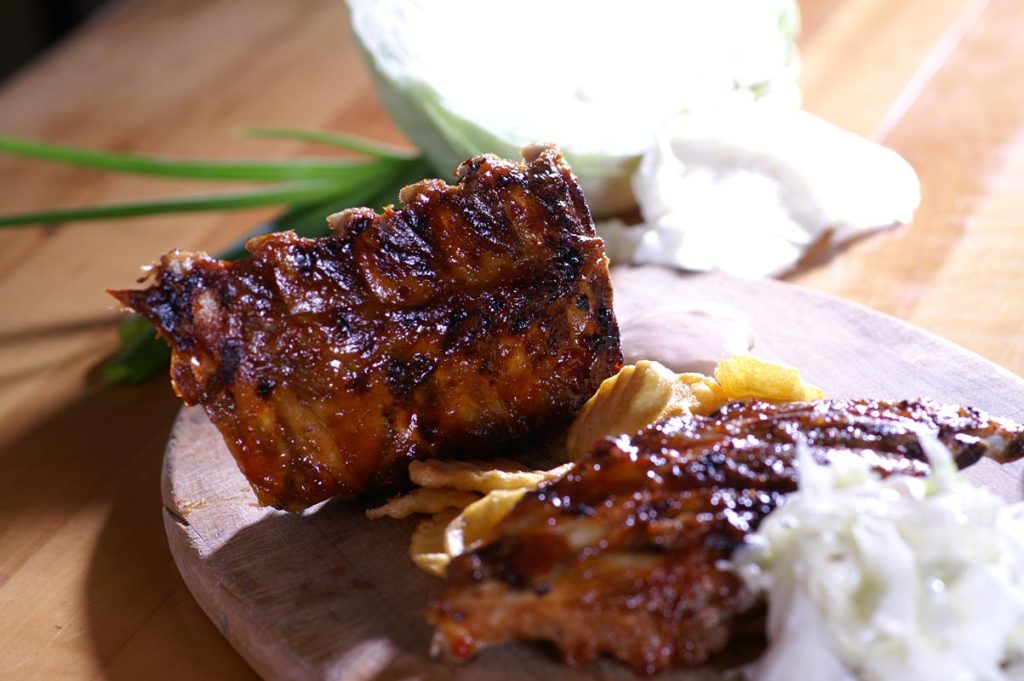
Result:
142,354
233,171
295,192
334,139
311,189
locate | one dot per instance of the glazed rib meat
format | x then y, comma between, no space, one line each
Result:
476,316
622,556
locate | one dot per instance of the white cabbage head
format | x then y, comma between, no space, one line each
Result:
598,78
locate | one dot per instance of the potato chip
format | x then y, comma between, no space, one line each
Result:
422,500
472,476
477,521
432,563
702,393
624,403
427,544
638,396
745,377
462,518
648,392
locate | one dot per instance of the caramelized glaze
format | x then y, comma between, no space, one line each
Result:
624,555
474,317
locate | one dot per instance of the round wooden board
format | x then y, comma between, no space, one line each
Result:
330,595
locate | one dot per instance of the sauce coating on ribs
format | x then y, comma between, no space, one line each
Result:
624,554
478,314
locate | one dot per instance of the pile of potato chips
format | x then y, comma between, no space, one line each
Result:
467,499
648,392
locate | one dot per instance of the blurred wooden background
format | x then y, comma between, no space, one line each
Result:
87,586
29,27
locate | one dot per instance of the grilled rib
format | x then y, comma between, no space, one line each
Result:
623,555
474,317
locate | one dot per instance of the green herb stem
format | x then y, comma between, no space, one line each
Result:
334,139
240,171
294,192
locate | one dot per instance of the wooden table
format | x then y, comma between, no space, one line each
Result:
87,586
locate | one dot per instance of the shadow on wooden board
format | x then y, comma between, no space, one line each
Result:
104,452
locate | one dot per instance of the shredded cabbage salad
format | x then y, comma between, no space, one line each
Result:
898,578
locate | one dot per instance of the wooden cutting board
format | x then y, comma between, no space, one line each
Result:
331,595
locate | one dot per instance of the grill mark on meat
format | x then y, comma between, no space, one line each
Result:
438,329
622,556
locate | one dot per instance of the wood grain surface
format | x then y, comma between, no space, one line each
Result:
87,585
332,596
